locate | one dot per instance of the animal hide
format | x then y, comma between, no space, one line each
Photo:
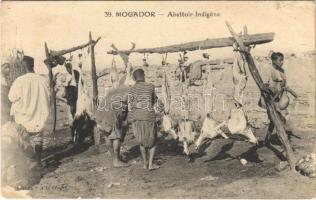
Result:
129,81
167,126
237,122
185,131
84,101
165,92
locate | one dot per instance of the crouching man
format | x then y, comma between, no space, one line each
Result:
29,95
110,117
141,99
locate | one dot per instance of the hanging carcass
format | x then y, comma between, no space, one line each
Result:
236,124
83,124
167,124
184,130
165,93
129,81
186,134
239,75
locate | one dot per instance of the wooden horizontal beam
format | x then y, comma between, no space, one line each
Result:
253,39
65,51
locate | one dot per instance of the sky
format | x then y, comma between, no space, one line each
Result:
28,25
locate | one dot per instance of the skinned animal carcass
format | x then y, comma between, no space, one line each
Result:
186,135
181,131
83,124
239,76
167,126
236,124
165,93
129,81
210,129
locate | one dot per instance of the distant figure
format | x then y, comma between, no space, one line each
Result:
5,87
71,94
141,99
30,99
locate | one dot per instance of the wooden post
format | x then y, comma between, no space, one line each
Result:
72,49
52,90
271,109
93,73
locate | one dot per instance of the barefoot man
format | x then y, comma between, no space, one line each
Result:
110,116
141,99
276,83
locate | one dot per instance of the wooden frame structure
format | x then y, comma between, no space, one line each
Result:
243,41
51,55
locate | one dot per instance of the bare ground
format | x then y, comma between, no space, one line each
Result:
87,172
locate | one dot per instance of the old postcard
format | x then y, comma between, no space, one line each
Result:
158,99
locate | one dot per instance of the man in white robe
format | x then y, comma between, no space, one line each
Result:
29,95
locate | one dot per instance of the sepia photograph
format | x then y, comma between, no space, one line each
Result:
158,99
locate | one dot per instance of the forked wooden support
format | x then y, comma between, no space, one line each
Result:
271,109
123,55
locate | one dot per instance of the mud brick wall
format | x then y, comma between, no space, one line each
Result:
300,74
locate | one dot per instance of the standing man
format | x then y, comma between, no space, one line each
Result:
29,95
141,99
276,84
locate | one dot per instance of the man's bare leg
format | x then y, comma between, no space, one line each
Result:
143,152
152,166
116,154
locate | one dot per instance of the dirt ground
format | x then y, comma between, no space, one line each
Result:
215,172
87,172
